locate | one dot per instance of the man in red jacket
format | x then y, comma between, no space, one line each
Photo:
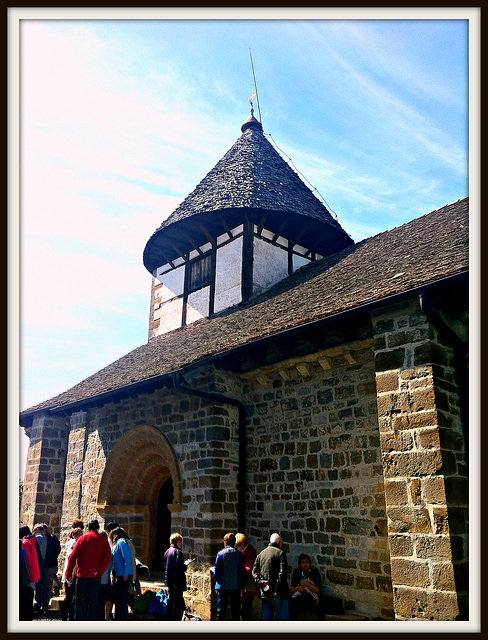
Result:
91,555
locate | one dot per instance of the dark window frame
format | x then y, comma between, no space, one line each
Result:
203,278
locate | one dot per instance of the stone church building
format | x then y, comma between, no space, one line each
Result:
293,381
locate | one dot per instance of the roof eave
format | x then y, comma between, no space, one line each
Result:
161,379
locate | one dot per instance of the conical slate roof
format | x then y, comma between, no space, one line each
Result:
251,179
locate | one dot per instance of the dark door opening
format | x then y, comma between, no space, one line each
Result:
163,523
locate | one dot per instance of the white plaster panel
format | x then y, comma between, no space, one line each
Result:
173,283
270,265
223,238
228,275
299,261
198,305
170,315
163,269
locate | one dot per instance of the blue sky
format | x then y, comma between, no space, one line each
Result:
120,120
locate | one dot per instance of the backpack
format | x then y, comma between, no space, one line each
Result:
141,604
158,605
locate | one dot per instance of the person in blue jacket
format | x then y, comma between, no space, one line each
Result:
229,578
122,562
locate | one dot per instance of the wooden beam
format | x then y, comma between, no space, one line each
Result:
223,222
192,242
180,253
297,237
165,259
206,234
261,224
280,229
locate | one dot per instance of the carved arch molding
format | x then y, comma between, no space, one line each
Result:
136,469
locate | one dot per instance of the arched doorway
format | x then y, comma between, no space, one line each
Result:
140,488
163,522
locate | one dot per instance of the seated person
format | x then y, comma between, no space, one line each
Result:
305,588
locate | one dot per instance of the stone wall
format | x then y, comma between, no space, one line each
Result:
203,440
315,473
423,460
355,455
44,473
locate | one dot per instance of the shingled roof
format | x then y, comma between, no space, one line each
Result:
422,252
251,178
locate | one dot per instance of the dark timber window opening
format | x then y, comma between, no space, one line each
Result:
200,273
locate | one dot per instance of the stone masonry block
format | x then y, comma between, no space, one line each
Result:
407,337
358,526
388,360
396,492
410,573
427,605
339,577
415,400
443,577
415,492
401,545
408,520
387,381
434,548
441,520
415,463
396,441
415,420
433,490
428,438
363,582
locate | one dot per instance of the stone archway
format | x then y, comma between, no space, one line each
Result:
136,469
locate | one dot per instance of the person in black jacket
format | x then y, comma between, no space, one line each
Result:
305,588
50,550
269,572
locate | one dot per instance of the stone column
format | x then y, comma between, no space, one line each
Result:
44,474
74,471
423,461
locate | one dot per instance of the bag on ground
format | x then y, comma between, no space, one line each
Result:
158,605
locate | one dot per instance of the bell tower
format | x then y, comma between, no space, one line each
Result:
248,224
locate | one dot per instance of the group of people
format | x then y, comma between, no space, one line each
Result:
241,573
99,575
39,551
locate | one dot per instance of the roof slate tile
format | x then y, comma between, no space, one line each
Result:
425,250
